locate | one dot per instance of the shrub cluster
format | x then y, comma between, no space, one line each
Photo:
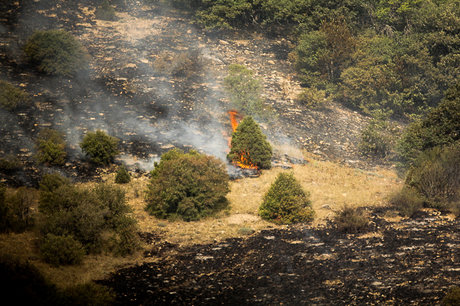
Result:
11,97
93,218
286,202
249,141
350,220
408,201
15,209
50,146
61,250
376,139
56,52
100,147
188,185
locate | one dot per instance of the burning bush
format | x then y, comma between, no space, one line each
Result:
249,146
286,202
12,97
100,147
190,185
51,147
55,52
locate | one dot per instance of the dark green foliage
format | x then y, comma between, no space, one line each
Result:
51,147
69,210
10,163
435,175
15,209
105,11
452,298
61,250
407,201
100,147
56,52
376,139
96,218
249,141
439,127
350,220
11,97
286,202
122,176
245,91
190,185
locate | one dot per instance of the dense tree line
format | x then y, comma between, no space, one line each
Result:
393,55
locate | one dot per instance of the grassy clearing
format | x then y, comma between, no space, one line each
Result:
330,185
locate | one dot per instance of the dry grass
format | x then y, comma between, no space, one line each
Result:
330,185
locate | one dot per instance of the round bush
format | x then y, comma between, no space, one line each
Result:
100,147
61,250
190,185
248,140
286,202
56,52
51,147
122,176
11,97
350,220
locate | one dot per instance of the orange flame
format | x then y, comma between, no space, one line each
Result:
245,161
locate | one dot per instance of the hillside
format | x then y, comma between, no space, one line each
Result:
156,81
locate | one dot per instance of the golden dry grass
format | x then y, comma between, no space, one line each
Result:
330,186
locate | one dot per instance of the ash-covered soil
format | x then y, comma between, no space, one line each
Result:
414,261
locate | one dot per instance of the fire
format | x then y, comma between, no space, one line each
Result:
245,161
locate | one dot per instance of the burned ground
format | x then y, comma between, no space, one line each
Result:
412,262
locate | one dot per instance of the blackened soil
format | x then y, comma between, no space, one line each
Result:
410,262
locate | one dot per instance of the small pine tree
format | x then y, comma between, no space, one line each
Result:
100,147
122,176
286,202
249,140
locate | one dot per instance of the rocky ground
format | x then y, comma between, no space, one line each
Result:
411,262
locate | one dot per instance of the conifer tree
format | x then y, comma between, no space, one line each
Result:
249,141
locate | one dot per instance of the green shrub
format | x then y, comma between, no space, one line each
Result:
245,92
407,201
11,97
312,97
350,220
69,210
190,185
452,298
249,145
376,140
439,127
122,176
125,240
105,11
61,250
51,147
113,199
15,209
286,202
56,52
10,163
48,184
100,147
436,176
